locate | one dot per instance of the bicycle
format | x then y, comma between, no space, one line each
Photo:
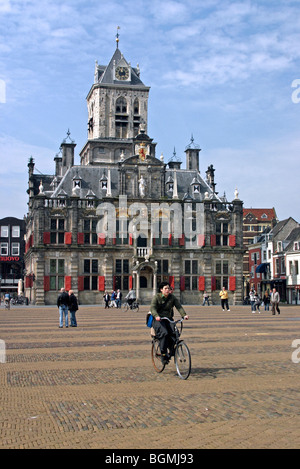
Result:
182,355
134,307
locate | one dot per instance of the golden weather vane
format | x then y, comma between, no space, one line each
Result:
117,36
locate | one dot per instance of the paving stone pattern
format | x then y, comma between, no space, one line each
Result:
94,386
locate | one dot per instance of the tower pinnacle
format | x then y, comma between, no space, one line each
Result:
117,37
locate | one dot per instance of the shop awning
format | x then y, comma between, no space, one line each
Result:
261,268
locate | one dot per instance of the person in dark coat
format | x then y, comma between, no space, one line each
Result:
62,304
106,298
73,307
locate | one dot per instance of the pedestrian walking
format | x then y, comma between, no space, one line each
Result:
224,299
252,295
267,300
106,298
113,299
73,307
119,298
257,303
62,304
275,299
205,299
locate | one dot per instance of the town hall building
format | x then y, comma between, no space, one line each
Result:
126,217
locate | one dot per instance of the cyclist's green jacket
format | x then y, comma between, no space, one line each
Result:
163,306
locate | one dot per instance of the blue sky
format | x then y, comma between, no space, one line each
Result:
221,70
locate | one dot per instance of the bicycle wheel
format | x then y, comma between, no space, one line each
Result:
136,307
125,306
183,361
156,357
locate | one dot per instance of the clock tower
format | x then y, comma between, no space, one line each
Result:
117,106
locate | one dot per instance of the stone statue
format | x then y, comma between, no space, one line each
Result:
142,186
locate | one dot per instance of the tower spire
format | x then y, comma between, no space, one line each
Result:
117,36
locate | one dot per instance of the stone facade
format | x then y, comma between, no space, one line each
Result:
124,218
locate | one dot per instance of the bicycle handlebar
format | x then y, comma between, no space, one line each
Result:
173,322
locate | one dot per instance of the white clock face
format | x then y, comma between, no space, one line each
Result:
122,73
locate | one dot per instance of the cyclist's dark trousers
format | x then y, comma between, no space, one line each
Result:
164,331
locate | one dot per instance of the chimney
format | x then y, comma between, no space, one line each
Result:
67,149
192,152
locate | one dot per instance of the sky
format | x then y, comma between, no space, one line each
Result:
225,72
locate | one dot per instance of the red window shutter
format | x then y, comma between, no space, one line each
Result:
114,240
46,237
80,238
232,283
213,240
101,239
170,239
130,239
182,283
46,283
80,283
153,241
27,282
130,282
181,240
68,238
201,283
213,284
232,240
172,281
68,282
101,283
201,240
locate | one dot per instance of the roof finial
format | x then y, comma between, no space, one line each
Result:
117,36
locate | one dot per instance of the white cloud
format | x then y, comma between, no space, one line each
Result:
221,69
5,6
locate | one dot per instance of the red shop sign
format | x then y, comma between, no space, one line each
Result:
9,259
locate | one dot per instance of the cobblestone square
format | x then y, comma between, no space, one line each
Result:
94,386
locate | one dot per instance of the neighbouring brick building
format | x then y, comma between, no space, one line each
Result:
12,231
125,218
256,221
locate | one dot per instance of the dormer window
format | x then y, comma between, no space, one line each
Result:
76,183
90,199
62,199
103,183
170,184
195,186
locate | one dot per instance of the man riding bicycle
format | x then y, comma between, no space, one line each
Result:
162,307
130,298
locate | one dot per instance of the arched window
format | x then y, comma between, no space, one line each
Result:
136,106
121,106
121,118
136,117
